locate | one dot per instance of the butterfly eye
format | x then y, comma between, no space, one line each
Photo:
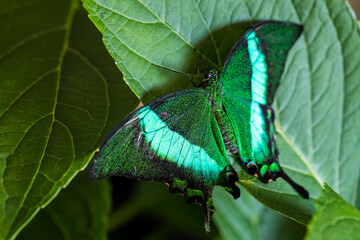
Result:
206,74
251,168
210,74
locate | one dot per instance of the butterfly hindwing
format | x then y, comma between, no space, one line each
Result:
254,130
175,139
250,77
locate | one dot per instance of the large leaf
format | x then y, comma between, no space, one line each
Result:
60,95
334,218
80,211
317,104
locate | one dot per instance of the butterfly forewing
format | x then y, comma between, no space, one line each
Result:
174,139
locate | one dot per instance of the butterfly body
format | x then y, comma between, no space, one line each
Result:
183,138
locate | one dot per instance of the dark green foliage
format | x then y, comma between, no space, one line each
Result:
74,207
60,96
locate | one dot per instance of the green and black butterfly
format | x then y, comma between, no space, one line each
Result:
183,138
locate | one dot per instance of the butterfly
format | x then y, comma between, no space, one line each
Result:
184,138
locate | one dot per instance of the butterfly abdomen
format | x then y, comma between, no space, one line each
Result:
227,131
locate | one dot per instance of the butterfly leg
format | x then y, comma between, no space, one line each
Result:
192,195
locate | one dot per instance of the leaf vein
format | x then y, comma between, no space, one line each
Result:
27,89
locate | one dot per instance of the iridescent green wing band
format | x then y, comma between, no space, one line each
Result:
176,129
255,64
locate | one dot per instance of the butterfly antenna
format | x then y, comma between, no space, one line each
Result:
206,62
203,62
181,73
296,186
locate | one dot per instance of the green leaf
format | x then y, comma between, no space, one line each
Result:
61,94
317,104
246,218
334,218
80,211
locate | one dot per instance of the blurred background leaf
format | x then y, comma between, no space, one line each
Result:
81,211
151,212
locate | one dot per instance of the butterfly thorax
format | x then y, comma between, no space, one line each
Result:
214,89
